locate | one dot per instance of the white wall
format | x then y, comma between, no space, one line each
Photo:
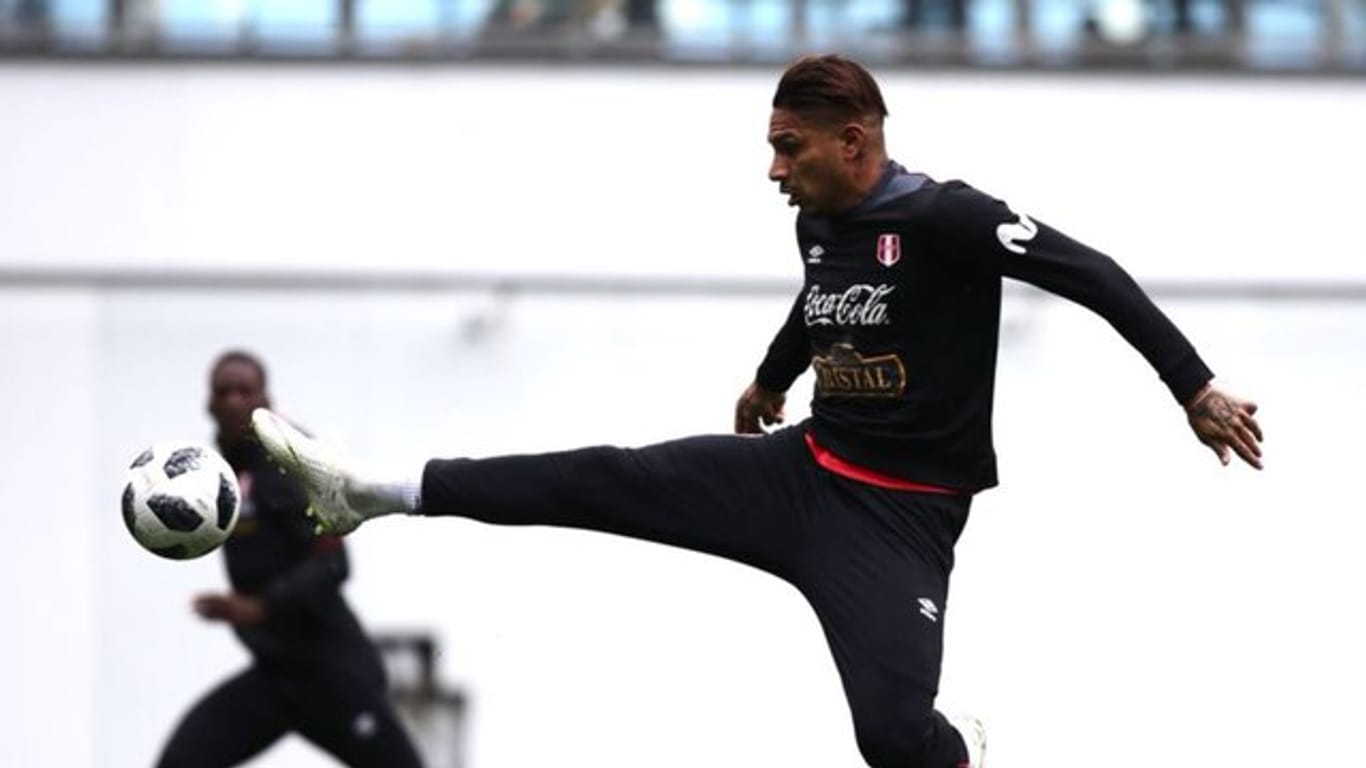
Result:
653,172
1120,594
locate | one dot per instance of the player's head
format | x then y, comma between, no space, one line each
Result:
237,386
826,134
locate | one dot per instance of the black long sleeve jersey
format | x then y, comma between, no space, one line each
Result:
274,554
900,313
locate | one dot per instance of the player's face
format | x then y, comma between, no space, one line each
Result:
808,162
234,392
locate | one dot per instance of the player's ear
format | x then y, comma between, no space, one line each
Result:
853,140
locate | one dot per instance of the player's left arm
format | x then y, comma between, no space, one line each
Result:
983,230
761,403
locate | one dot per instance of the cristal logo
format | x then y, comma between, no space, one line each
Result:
859,304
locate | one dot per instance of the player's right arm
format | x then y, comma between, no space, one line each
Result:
312,580
761,404
987,234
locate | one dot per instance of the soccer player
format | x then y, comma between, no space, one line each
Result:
313,670
860,506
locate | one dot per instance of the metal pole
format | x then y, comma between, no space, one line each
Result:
346,26
116,26
1333,14
1024,25
799,31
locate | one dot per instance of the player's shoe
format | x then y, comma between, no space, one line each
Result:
338,501
974,738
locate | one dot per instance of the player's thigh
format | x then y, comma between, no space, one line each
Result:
878,582
743,498
354,723
737,497
232,723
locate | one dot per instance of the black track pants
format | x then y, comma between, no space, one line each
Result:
250,711
873,563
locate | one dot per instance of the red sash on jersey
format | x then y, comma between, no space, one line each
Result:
843,468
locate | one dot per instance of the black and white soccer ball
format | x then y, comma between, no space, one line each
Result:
180,499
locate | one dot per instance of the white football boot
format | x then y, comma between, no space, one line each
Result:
974,738
339,500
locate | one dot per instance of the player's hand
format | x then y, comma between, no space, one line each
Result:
238,610
758,406
1226,423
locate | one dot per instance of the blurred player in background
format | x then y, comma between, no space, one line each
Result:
859,507
313,670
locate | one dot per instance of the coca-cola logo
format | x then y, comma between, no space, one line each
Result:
859,304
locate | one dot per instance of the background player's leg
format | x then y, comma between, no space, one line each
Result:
350,720
742,498
879,587
231,724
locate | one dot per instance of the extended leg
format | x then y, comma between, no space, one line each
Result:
742,498
231,724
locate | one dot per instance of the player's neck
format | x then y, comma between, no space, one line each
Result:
866,177
231,444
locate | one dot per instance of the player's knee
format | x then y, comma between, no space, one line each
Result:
896,741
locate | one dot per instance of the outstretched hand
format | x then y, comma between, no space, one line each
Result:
236,609
1226,423
758,406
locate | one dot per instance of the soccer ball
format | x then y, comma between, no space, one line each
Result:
180,499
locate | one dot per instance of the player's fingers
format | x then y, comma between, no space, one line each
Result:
1250,406
1247,438
1220,450
1252,425
1247,452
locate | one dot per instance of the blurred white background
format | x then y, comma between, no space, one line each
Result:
1121,600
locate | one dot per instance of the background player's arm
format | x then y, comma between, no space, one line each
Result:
761,404
312,580
233,607
317,575
984,231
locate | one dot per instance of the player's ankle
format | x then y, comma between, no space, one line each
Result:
388,496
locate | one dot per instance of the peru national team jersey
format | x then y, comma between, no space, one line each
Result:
899,319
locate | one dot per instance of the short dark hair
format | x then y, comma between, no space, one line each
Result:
830,86
239,356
